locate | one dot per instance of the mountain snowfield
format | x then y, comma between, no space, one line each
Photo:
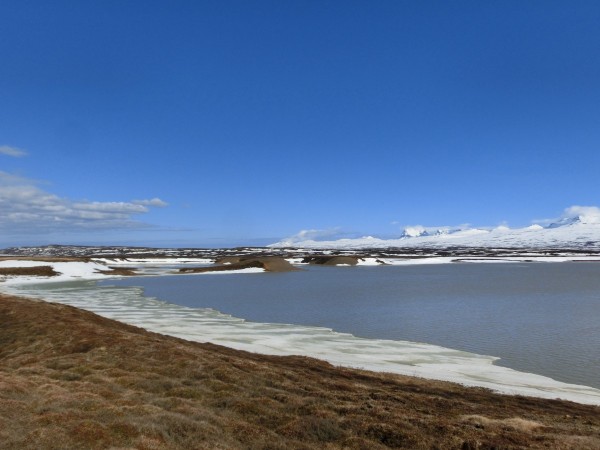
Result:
577,228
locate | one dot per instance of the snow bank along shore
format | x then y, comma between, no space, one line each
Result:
75,286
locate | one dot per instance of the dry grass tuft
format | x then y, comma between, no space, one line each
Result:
38,271
122,271
517,423
72,379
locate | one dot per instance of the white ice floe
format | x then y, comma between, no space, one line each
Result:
158,261
484,259
128,304
225,272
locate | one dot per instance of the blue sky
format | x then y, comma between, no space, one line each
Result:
223,123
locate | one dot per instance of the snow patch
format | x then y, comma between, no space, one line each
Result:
71,270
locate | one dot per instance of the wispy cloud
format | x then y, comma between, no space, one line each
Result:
317,235
27,208
588,214
582,212
12,151
157,202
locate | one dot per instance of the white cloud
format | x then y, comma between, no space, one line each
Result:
314,235
157,202
12,151
26,208
583,214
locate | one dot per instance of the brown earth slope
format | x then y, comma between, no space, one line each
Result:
268,263
71,379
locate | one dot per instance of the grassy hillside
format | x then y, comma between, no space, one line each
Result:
71,379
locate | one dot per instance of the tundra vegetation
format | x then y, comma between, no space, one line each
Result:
72,379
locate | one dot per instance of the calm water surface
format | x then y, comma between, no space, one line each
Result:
537,317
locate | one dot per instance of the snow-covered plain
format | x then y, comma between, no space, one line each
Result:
128,304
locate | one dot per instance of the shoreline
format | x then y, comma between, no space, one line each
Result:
74,379
475,370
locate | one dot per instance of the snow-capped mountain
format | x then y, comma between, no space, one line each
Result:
577,228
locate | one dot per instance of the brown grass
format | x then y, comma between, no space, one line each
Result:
122,271
70,379
331,260
43,258
38,271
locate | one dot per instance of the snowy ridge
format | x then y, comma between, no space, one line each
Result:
578,228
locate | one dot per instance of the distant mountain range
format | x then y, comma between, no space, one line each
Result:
580,231
577,229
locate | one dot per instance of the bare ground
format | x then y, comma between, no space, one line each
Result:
71,379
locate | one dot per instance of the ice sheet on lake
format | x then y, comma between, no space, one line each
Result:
127,304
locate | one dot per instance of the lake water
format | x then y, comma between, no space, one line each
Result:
542,318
